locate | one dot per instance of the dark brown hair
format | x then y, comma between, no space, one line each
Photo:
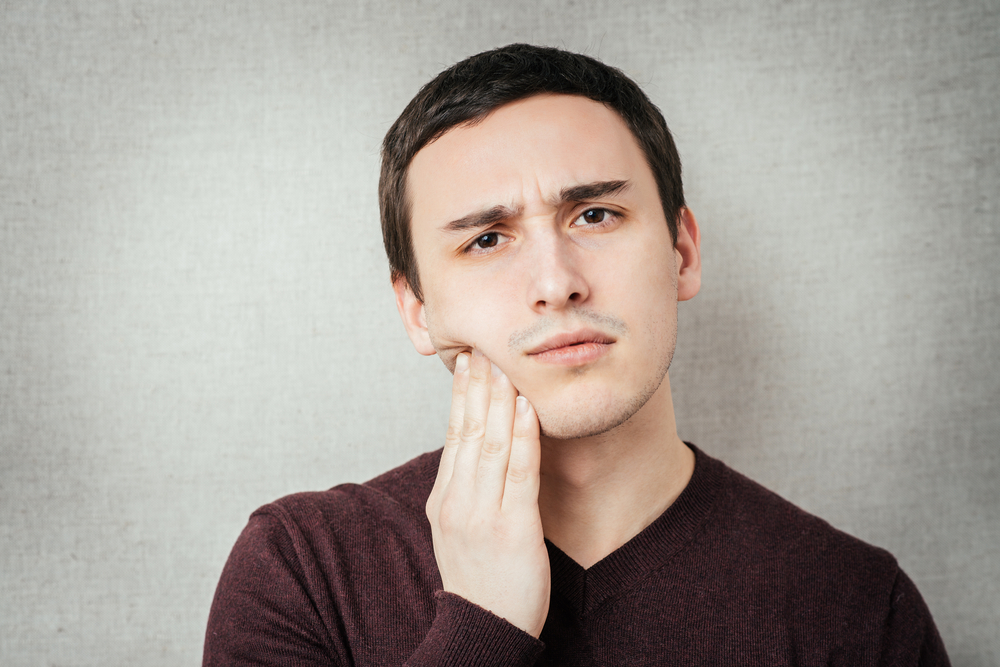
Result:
468,91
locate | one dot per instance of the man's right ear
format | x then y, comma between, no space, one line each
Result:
411,310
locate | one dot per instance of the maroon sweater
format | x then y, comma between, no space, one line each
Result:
730,574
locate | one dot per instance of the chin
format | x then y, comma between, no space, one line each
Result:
575,427
586,419
586,412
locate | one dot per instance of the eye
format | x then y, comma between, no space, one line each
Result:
488,240
593,217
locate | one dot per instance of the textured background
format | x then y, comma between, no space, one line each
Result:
195,316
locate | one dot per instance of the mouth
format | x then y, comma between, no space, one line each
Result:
572,349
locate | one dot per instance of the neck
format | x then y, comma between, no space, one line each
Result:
597,493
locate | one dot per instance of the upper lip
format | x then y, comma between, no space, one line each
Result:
571,338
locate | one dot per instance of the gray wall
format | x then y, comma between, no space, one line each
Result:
195,316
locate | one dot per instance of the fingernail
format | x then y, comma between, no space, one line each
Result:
476,352
522,405
461,363
496,371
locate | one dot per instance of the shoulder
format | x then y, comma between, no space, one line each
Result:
797,571
393,500
758,516
848,593
813,563
309,560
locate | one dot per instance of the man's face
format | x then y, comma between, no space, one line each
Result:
541,240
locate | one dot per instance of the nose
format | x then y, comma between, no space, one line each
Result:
555,280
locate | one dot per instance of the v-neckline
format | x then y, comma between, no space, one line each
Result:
623,568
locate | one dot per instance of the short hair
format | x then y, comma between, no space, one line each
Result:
470,90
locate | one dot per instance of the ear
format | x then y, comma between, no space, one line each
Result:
688,250
411,310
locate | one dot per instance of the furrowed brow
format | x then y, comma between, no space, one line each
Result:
589,191
480,219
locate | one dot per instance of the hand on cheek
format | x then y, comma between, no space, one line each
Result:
483,509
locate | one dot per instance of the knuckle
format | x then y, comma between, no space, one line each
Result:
454,433
472,427
453,515
494,449
517,474
446,521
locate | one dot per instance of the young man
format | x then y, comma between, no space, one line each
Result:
539,242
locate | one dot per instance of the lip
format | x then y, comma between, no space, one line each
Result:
575,348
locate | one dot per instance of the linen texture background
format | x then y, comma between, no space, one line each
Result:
195,315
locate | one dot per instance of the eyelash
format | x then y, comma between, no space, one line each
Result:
472,249
608,213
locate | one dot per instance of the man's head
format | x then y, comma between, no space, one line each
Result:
542,239
472,89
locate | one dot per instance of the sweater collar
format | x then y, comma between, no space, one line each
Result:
655,544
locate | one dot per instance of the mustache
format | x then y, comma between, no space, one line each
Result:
520,340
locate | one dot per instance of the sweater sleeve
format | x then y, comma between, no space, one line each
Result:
464,633
910,636
266,613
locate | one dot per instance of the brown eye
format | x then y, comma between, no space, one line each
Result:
487,240
594,216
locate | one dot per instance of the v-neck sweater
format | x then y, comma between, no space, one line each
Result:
729,574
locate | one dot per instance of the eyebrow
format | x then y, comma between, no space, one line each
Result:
576,193
588,191
480,219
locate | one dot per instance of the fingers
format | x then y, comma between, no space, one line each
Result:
459,385
473,430
522,478
496,442
491,451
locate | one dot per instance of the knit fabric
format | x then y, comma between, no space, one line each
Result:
730,574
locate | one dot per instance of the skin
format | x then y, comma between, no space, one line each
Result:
540,222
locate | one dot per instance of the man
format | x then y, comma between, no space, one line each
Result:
539,242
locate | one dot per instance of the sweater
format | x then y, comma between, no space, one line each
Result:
729,574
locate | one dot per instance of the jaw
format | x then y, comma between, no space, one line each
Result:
599,399
600,402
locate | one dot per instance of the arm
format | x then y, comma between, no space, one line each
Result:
271,608
267,609
910,636
262,613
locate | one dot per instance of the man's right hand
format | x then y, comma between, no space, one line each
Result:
483,509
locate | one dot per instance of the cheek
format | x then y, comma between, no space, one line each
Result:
648,298
463,320
657,277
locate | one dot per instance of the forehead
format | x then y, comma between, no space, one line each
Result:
522,152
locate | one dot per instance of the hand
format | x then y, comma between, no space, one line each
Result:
483,508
